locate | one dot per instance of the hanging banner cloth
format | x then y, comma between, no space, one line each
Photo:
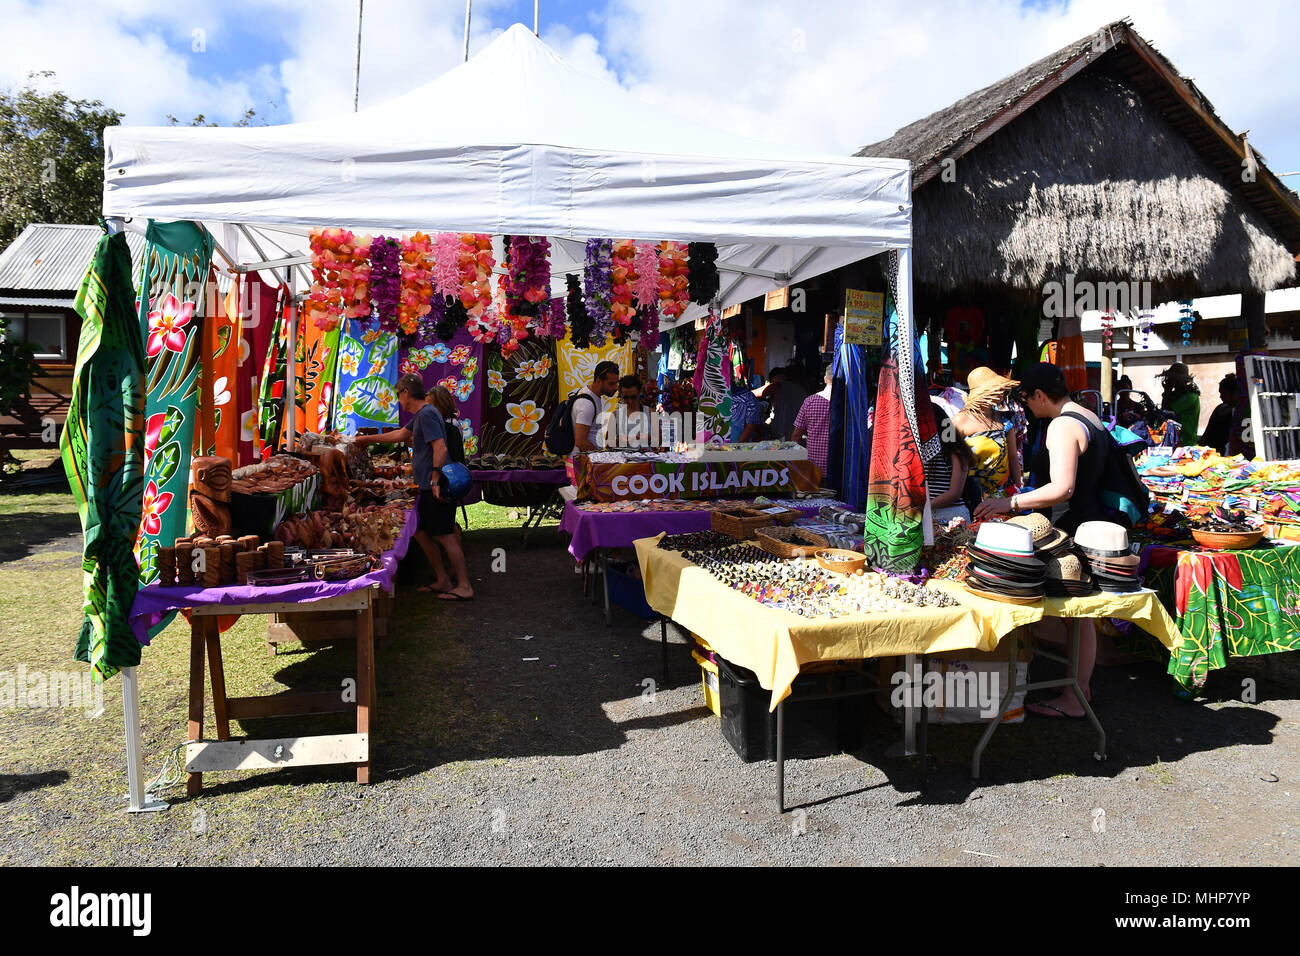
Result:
850,368
457,366
270,413
103,455
577,365
523,392
321,352
367,372
258,299
713,381
218,385
173,270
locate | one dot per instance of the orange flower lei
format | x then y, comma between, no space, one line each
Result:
475,261
624,274
340,270
417,282
675,294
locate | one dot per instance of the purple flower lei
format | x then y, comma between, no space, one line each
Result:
598,288
386,281
530,268
430,323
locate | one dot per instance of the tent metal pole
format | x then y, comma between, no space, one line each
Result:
291,354
356,74
536,3
140,802
468,5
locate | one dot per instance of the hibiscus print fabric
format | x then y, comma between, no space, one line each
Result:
176,259
455,366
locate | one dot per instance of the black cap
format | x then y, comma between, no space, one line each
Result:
1044,377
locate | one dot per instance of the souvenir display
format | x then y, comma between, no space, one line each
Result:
1104,545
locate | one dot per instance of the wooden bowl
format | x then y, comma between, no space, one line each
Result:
841,561
1227,540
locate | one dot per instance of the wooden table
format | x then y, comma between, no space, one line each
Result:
225,753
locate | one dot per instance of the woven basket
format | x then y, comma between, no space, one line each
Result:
1227,540
739,523
790,542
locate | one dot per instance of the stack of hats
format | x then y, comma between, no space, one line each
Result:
1068,577
1049,540
1002,564
1105,546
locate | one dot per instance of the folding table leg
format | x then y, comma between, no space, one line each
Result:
780,757
923,741
604,580
1006,705
663,644
194,781
213,640
365,637
1100,752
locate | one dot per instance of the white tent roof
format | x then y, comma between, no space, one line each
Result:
517,141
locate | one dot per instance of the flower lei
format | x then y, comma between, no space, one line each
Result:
597,279
703,280
674,295
417,282
475,261
434,322
530,274
649,327
646,286
623,273
386,280
446,264
579,320
340,269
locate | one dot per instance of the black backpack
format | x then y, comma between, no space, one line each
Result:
1122,491
559,432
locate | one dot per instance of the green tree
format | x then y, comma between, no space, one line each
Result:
51,157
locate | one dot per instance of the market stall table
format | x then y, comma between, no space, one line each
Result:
1227,604
775,644
536,490
595,529
205,605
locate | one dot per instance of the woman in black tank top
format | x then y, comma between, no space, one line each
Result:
1075,482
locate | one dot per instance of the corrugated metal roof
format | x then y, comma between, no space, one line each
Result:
53,257
29,300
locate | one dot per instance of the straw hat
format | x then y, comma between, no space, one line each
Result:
1047,537
987,388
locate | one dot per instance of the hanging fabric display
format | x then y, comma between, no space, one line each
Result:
713,380
217,377
457,366
1069,353
850,367
174,265
271,421
523,390
895,501
367,370
103,455
321,350
577,365
257,300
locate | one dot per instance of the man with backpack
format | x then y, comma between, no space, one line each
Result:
573,427
1089,475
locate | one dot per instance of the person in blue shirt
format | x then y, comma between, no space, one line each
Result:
427,434
747,413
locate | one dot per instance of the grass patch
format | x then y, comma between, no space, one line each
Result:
1160,771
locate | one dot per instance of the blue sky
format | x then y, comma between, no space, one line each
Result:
829,74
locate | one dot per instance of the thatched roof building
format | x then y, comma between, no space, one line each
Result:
1098,161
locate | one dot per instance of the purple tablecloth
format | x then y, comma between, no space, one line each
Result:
551,476
618,529
154,603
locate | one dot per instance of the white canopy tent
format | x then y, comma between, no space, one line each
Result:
515,141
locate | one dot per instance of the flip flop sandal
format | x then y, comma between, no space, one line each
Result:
452,596
1060,714
430,589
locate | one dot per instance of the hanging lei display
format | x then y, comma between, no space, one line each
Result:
340,269
556,320
703,280
529,259
646,286
576,309
1186,319
1144,323
417,282
446,264
623,278
385,282
674,294
1107,332
475,261
597,280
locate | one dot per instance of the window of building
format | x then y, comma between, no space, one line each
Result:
46,331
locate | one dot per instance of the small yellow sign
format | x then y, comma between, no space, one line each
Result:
864,317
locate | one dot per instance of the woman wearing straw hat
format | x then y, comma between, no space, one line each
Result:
989,433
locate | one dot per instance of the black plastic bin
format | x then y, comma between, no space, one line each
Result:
813,728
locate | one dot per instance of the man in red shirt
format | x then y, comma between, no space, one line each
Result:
812,426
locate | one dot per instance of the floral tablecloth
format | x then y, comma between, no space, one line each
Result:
1226,603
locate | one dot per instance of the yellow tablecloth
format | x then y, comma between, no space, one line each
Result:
774,643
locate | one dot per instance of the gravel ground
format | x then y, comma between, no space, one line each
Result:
483,757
